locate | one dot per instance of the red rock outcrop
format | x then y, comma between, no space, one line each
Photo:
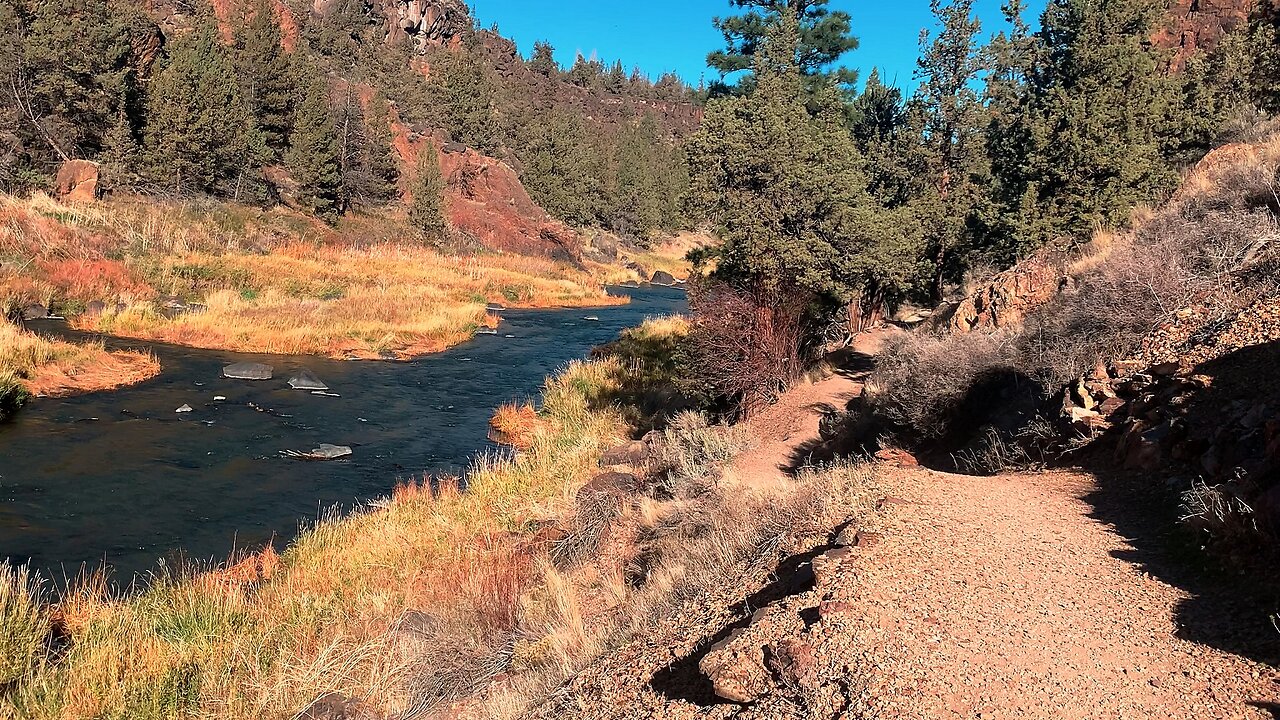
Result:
485,199
1199,25
1009,296
78,180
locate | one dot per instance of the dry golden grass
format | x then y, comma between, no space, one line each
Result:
273,282
668,255
516,424
57,368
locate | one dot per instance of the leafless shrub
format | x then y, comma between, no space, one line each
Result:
921,379
1217,511
746,347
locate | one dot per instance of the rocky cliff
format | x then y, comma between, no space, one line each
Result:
1195,25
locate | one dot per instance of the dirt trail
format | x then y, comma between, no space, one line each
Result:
1004,597
976,597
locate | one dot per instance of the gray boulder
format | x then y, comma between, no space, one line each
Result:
247,371
306,380
662,277
35,312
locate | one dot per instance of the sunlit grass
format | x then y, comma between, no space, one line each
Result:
45,366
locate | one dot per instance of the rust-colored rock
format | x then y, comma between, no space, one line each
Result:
78,181
897,457
1199,25
1008,297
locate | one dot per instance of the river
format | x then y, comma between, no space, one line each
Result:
121,478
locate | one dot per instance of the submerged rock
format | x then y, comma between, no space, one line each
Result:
185,409
247,371
324,452
306,380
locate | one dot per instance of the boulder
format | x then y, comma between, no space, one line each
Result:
608,485
633,453
184,409
661,277
335,706
897,457
77,180
95,308
453,148
736,673
306,380
35,312
248,371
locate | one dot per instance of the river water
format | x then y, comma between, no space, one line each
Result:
121,478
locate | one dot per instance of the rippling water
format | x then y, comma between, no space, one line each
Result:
123,479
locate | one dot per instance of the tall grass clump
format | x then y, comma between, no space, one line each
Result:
12,395
24,623
694,449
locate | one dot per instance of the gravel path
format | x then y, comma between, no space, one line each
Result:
1004,597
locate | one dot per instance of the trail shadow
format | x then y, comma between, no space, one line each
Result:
682,680
1273,708
1225,608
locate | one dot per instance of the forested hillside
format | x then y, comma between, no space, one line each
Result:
259,101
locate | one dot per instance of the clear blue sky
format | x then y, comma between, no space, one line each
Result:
663,35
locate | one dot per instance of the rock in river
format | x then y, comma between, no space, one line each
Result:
247,371
324,452
662,277
306,380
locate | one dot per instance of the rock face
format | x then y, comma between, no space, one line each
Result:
1198,25
78,180
1009,296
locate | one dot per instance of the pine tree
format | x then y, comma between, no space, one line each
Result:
466,91
543,60
426,190
1101,103
560,170
616,81
197,133
313,157
365,158
949,66
264,74
639,199
825,36
120,159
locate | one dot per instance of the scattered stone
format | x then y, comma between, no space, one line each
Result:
248,371
335,706
306,380
185,409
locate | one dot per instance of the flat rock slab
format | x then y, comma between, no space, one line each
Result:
247,371
324,452
306,380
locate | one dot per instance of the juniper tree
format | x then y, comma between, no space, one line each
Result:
426,203
313,157
949,67
197,136
264,74
543,59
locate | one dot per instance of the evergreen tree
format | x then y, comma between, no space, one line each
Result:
1264,47
366,160
121,156
264,74
543,60
197,137
465,90
426,203
1101,102
825,36
783,186
949,66
616,81
561,172
313,158
639,197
